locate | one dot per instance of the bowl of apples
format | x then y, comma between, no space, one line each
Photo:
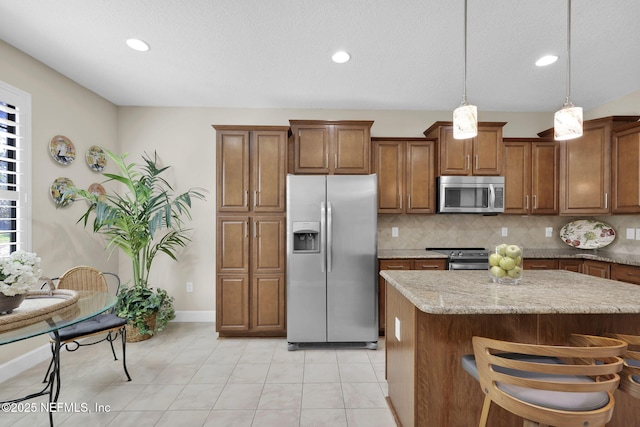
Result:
505,264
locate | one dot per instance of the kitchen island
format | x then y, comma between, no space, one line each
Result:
432,316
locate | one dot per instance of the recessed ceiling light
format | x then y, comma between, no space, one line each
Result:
341,57
137,44
546,60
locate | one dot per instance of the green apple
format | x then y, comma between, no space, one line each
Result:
513,251
507,263
494,259
519,260
497,272
501,249
515,272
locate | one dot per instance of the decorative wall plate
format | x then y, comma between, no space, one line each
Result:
62,149
59,186
96,158
587,234
98,190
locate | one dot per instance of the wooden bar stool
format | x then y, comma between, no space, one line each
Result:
630,376
546,385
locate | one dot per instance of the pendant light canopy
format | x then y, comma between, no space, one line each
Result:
567,122
465,117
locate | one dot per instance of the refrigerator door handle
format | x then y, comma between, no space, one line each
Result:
323,233
329,239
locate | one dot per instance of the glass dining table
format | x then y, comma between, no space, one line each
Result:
88,304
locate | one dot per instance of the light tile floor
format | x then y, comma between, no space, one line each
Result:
187,376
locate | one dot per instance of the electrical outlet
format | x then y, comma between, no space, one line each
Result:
189,286
397,332
394,231
548,232
631,234
505,231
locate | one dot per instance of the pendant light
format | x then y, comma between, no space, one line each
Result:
567,122
465,117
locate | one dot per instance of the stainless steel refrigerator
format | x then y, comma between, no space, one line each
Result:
332,282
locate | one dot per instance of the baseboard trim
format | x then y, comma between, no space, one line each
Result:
195,316
26,361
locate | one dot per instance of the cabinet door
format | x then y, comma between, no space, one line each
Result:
232,303
454,154
625,171
232,244
233,171
269,153
585,171
517,177
487,151
544,178
420,181
268,303
388,264
626,273
268,244
350,148
540,264
311,149
388,164
570,265
597,268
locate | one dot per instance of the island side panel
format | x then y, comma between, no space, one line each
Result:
401,355
445,394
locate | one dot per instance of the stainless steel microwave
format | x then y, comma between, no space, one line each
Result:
471,194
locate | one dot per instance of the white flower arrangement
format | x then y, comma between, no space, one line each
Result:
19,272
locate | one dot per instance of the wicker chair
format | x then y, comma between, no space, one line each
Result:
84,278
549,385
630,377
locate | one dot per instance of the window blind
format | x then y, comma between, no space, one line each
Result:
15,170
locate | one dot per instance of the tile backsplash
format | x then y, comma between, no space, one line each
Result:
448,230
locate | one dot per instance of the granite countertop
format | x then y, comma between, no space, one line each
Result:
532,253
539,292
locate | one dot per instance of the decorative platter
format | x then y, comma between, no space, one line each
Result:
59,186
98,190
62,149
587,234
96,158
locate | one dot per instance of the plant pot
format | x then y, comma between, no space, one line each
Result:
9,303
133,333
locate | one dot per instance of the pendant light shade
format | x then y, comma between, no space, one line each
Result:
567,122
465,117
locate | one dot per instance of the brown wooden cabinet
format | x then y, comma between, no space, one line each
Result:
531,176
406,179
625,170
571,265
597,268
540,264
251,168
331,147
585,167
626,273
250,239
481,155
401,264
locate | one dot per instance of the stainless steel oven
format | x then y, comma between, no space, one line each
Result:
465,258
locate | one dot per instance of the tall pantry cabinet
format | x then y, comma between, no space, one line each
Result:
250,248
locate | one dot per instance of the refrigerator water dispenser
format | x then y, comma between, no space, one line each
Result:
306,236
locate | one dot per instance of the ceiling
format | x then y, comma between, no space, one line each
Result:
406,54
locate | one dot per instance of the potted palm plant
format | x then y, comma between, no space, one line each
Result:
146,220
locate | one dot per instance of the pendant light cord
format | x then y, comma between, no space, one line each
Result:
568,89
464,74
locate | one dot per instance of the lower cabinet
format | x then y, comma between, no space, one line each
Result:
400,264
626,273
540,264
597,268
570,265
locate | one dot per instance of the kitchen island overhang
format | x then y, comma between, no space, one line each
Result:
432,315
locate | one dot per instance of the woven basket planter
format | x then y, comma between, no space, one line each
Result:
133,333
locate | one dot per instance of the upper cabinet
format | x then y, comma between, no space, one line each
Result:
251,168
531,176
330,147
481,155
585,168
625,169
406,179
